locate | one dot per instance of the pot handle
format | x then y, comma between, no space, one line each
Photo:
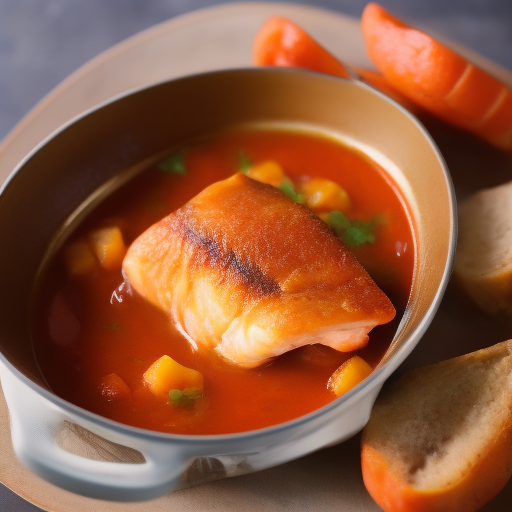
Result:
34,430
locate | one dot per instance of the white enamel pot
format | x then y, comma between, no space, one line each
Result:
94,153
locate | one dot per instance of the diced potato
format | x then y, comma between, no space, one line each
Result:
114,389
348,375
268,172
166,374
324,216
325,195
108,245
78,258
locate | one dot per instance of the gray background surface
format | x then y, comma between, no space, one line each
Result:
43,41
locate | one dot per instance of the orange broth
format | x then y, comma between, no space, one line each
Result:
126,337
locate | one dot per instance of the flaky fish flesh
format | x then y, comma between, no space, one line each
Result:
245,270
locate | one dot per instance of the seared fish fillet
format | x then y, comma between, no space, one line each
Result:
243,269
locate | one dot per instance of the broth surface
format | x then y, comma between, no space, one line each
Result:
118,332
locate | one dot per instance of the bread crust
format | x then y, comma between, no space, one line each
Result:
483,262
463,455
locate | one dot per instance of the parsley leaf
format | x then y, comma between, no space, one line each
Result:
338,222
175,396
184,397
244,163
353,233
288,189
175,163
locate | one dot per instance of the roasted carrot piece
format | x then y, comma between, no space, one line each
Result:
437,78
279,42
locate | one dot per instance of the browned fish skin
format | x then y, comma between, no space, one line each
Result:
245,270
228,261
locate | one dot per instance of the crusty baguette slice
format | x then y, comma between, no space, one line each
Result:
440,438
483,263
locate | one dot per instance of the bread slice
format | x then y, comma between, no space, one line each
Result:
483,263
440,438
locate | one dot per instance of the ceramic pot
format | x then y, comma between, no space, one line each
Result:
82,162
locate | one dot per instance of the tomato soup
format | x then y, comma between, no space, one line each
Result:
92,334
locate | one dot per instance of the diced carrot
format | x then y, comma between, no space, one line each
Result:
325,195
268,172
166,374
437,78
279,42
348,375
78,258
114,389
108,245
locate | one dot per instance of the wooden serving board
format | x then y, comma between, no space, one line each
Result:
219,38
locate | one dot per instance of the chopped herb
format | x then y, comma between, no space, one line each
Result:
244,163
175,395
288,189
357,236
175,163
192,393
353,233
338,222
184,397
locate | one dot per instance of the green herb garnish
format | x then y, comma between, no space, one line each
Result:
353,233
288,189
244,163
359,235
184,397
175,163
175,396
338,222
192,393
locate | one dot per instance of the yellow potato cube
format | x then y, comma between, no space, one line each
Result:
268,172
324,216
78,258
108,246
325,195
166,374
348,375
